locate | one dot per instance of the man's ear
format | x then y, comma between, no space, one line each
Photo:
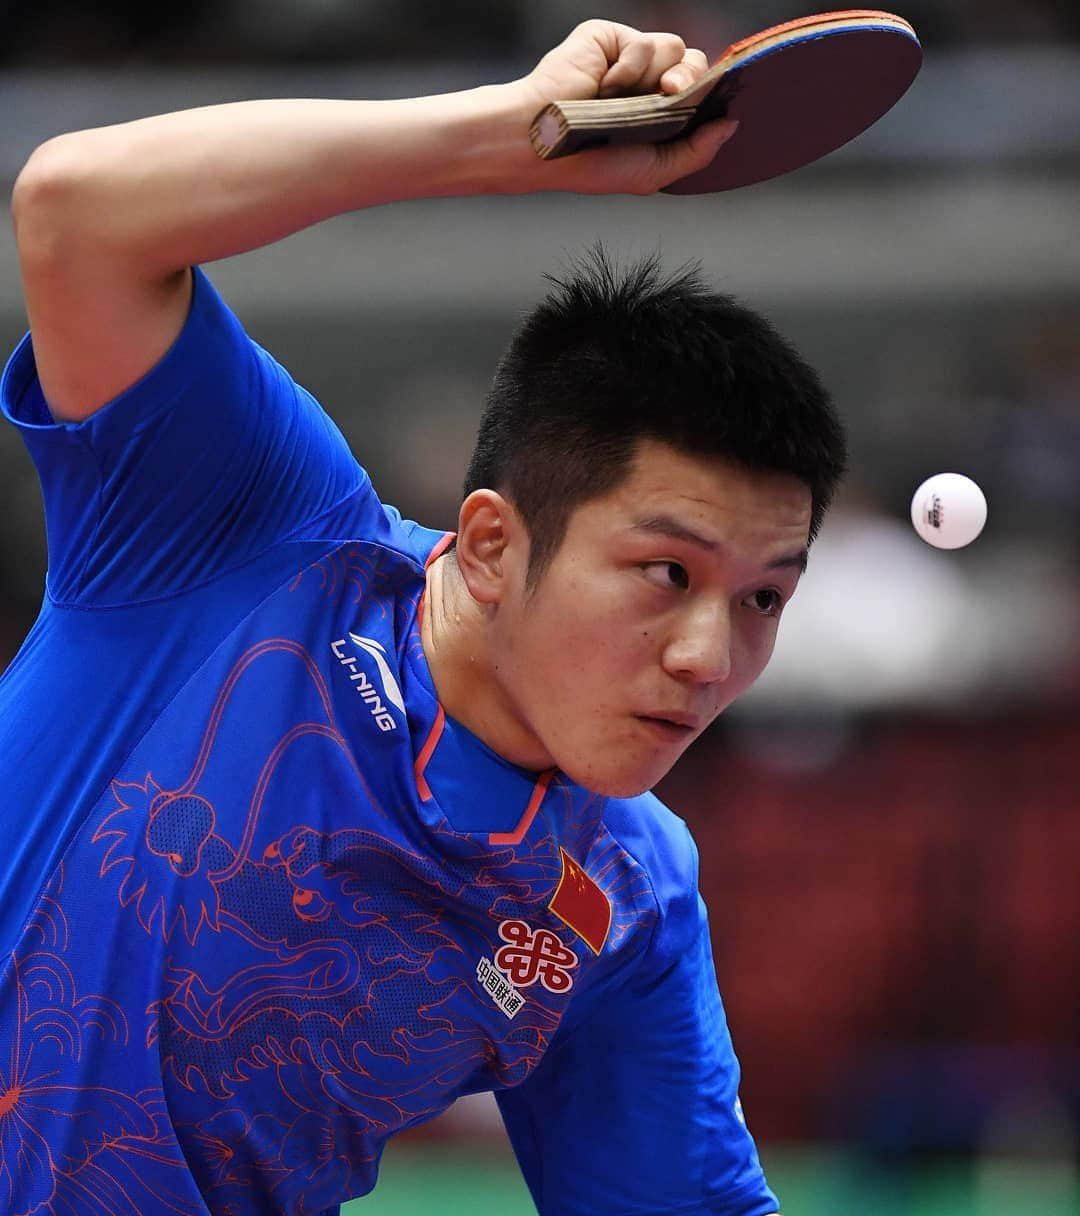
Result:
492,546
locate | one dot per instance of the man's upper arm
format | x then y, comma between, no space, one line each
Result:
208,460
99,323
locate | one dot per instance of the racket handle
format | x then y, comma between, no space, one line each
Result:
566,127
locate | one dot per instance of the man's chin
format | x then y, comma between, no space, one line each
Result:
618,783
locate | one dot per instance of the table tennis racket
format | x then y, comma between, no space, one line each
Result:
799,90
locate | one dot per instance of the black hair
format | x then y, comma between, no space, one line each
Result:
613,356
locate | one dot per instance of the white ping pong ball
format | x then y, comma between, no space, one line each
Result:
948,510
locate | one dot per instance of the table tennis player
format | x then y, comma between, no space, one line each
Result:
316,818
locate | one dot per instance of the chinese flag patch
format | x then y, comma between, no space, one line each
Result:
580,904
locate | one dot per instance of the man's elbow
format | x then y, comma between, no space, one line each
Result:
46,211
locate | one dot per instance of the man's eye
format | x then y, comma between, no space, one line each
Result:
766,601
669,575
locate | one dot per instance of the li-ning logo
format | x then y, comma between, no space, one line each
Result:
362,682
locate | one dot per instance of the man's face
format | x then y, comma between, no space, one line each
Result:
659,608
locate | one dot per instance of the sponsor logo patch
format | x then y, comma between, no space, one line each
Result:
534,954
499,988
376,702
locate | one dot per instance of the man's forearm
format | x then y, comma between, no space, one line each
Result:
107,221
180,189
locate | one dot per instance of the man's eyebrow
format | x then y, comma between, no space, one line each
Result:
793,559
665,525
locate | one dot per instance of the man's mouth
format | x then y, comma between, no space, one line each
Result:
670,729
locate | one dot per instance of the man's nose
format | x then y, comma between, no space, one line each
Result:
699,649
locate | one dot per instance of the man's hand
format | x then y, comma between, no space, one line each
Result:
605,59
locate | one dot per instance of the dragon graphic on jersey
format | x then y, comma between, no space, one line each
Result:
302,949
74,1149
312,975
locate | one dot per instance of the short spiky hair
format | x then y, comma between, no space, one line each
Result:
613,356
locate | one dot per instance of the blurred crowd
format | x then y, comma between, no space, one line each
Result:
69,31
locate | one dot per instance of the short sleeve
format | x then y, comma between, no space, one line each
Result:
636,1112
212,457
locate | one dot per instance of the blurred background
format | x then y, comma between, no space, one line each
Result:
889,823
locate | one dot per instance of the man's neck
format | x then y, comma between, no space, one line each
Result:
456,633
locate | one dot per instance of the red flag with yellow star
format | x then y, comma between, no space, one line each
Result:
580,904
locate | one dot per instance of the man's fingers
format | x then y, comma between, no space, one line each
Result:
606,59
692,66
642,63
685,156
627,70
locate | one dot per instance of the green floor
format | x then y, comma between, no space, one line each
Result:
814,1182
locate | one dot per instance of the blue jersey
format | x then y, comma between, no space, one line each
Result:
262,904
